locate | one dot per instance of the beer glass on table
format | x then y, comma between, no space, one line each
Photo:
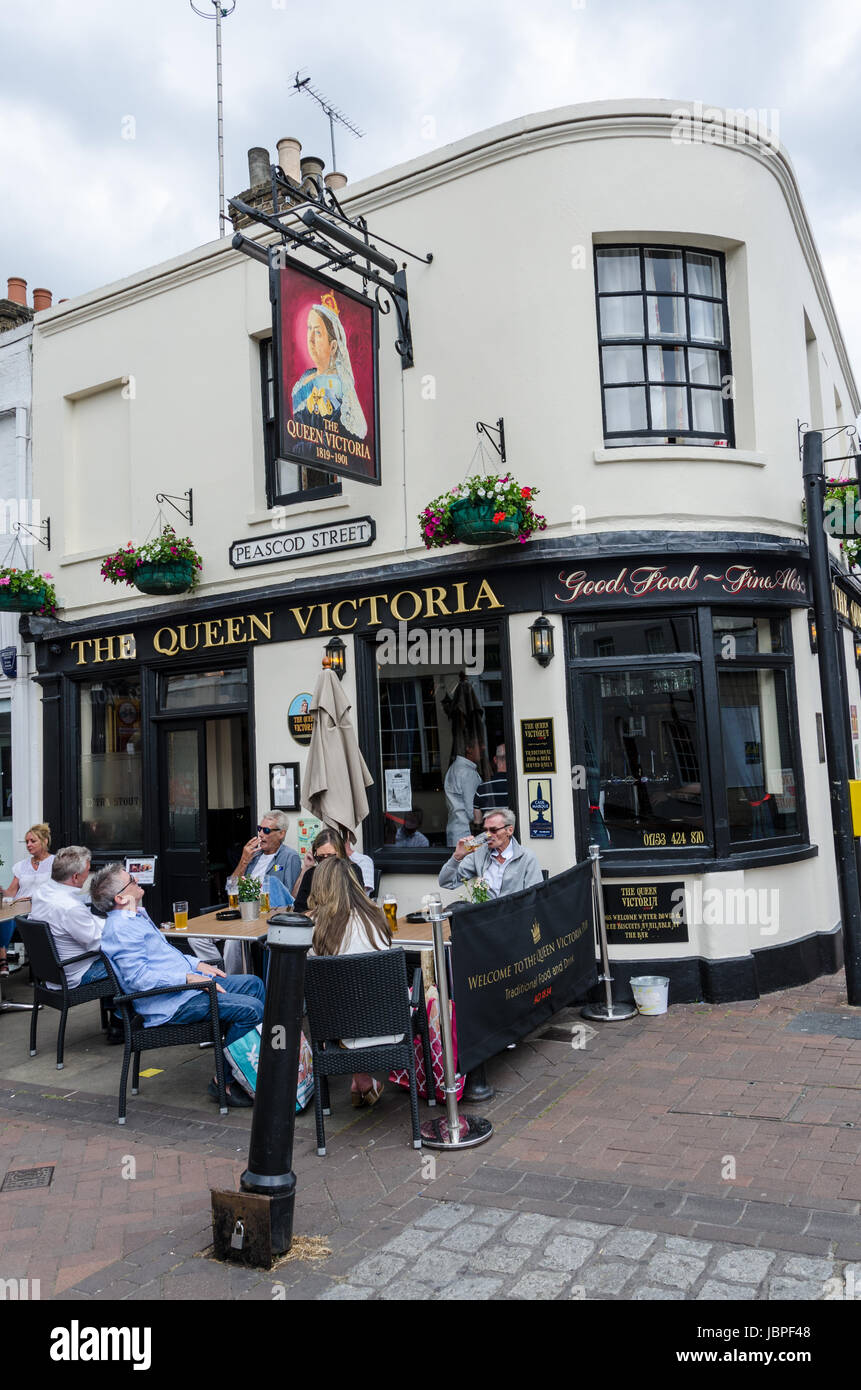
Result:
232,886
390,908
264,899
180,916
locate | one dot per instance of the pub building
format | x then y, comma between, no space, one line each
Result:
651,335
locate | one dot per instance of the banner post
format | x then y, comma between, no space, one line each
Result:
455,1131
608,1011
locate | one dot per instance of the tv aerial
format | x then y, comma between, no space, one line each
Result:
303,84
222,8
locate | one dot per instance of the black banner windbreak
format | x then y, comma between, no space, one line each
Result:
518,960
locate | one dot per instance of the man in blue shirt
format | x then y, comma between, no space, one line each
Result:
143,959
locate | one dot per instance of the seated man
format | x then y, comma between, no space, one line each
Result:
502,862
58,900
265,853
363,862
143,959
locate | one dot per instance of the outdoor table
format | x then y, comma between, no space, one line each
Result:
418,936
255,930
20,908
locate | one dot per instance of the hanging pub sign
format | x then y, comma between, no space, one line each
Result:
326,342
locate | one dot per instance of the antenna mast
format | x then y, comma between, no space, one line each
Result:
303,84
221,12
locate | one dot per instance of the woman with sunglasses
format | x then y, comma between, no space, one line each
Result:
327,845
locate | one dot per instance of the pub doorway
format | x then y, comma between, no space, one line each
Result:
204,786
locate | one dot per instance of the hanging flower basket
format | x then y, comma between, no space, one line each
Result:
481,511
22,601
27,591
473,523
167,565
163,577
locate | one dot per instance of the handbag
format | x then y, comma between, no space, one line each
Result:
402,1077
243,1057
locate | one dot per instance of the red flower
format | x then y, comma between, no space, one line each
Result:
497,517
526,492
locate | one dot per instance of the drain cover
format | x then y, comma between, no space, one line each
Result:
833,1025
27,1177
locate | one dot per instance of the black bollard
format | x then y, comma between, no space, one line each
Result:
262,1224
477,1086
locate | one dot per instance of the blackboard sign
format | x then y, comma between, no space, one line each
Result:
645,913
537,745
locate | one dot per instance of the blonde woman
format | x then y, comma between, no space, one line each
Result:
24,876
347,923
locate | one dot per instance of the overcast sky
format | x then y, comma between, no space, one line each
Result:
84,204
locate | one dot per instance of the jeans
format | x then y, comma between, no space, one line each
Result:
96,971
241,1006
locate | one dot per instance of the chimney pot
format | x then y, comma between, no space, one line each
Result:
289,150
17,289
41,299
258,166
335,181
311,167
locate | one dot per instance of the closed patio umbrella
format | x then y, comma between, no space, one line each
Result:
337,774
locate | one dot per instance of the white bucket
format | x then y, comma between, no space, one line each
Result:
650,993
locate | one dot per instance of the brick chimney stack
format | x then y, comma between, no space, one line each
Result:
259,193
14,309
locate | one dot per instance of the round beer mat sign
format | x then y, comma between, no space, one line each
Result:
300,720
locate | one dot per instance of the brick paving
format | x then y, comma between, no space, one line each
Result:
706,1154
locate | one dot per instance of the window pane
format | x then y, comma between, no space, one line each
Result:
706,321
111,763
5,765
626,637
707,407
749,636
183,791
440,729
195,689
758,761
622,318
626,408
664,272
643,775
704,366
666,317
619,270
622,363
703,274
666,364
669,407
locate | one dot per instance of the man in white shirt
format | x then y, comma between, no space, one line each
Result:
59,901
364,863
504,864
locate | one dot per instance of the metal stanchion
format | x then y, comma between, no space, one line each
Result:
608,1011
255,1225
455,1131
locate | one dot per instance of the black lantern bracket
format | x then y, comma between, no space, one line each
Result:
172,499
828,432
42,534
309,216
490,431
336,650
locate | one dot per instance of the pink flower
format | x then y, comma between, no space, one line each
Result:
48,576
5,579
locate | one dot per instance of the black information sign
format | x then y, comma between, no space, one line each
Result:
519,959
537,745
645,913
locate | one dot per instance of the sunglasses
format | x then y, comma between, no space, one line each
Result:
125,886
267,830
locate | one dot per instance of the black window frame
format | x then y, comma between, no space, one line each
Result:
430,860
719,851
274,498
689,437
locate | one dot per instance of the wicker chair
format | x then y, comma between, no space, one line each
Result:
140,1038
47,968
358,997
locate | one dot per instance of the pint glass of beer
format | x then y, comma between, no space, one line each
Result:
180,916
232,886
390,907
